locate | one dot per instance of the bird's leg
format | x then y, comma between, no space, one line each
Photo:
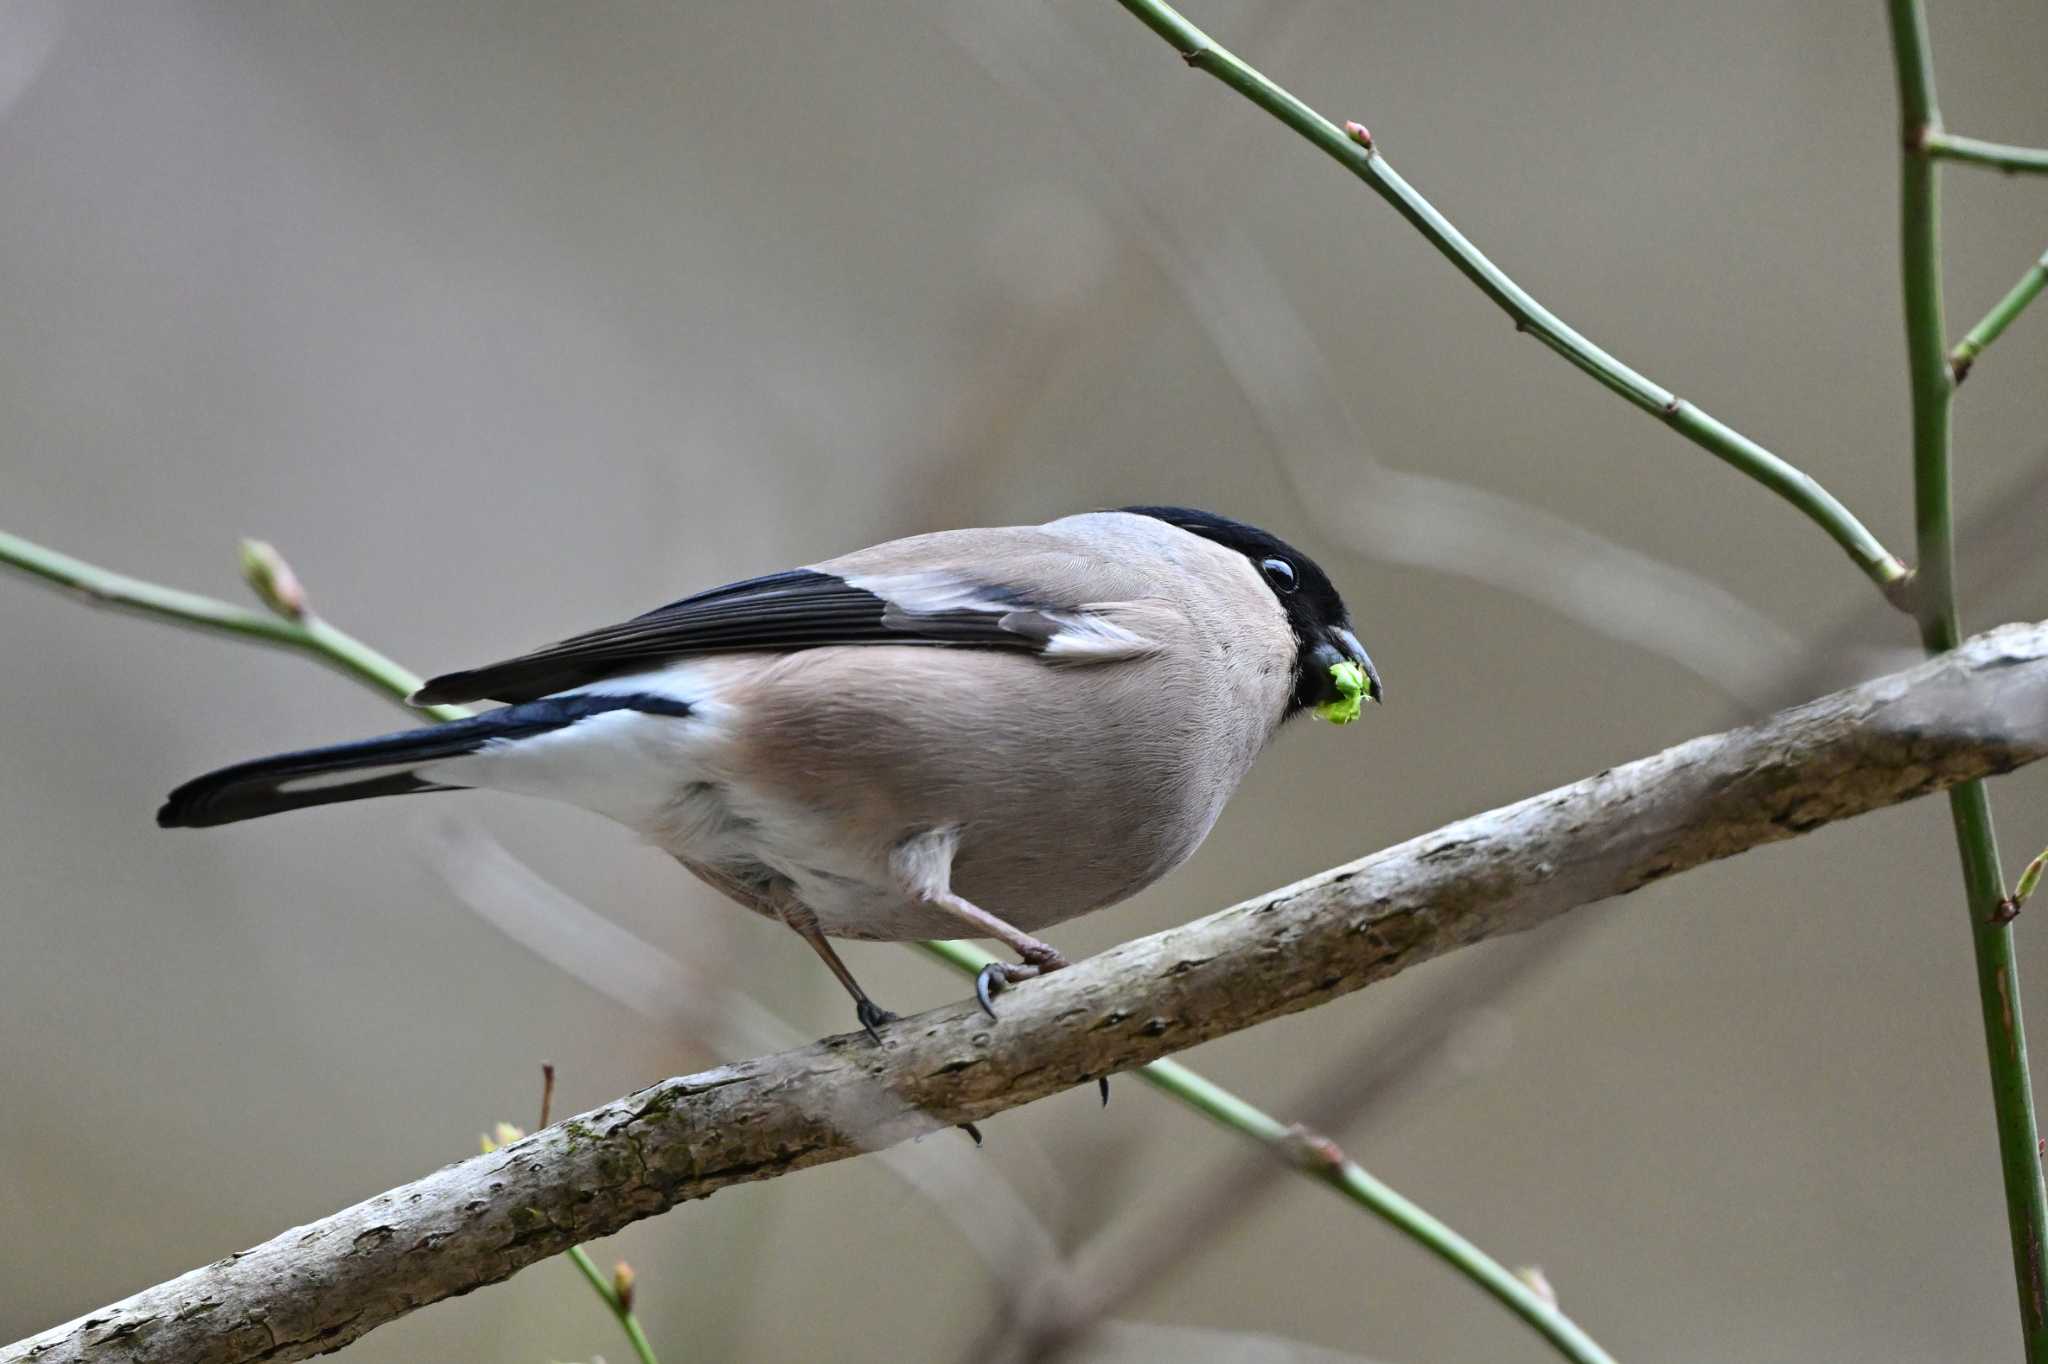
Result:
871,1015
1037,957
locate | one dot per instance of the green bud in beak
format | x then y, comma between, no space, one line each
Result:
1349,679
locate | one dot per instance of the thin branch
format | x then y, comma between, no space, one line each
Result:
1044,1318
1975,712
1162,196
1995,545
1353,148
1933,386
308,634
1977,152
615,1293
1927,350
1316,1160
620,1308
1998,319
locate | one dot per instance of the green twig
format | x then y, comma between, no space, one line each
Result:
1975,151
1348,1178
1353,148
308,634
628,1322
1998,319
1998,986
616,1292
1167,1076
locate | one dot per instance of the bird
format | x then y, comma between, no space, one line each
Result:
975,732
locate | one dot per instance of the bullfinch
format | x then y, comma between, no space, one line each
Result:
966,733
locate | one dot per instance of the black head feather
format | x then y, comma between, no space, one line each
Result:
1315,610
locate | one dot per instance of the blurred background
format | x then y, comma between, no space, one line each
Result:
504,320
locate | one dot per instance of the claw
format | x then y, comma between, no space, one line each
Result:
997,974
872,1016
1103,1083
971,1130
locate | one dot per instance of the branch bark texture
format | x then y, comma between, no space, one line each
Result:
1977,712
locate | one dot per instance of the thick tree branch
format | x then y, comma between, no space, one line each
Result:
1977,712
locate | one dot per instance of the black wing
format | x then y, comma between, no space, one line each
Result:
801,609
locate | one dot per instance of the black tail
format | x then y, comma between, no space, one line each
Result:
388,763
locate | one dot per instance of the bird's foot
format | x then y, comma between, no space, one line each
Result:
992,980
998,975
872,1016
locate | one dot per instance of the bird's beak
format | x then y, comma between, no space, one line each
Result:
1355,651
1341,646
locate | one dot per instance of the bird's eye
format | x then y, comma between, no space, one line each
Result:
1280,573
